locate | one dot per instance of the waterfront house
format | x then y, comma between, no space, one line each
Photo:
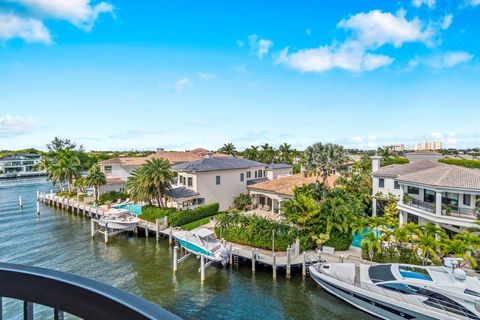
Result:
269,195
429,191
219,179
20,165
117,170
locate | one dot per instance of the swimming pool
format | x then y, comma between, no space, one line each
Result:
358,237
133,208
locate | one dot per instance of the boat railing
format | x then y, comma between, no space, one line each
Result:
72,294
417,301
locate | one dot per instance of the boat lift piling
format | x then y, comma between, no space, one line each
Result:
20,202
175,259
253,260
274,266
304,264
289,258
202,268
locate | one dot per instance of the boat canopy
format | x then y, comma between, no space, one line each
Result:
202,232
380,273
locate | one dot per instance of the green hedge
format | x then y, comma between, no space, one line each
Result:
183,217
254,231
112,196
392,255
340,241
394,160
475,164
151,213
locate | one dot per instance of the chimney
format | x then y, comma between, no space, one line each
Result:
160,150
376,163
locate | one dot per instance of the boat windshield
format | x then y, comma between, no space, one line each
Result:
381,273
413,272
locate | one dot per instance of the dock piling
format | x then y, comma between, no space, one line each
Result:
106,232
20,201
202,268
175,258
170,237
274,266
289,258
92,228
38,207
253,260
230,250
146,231
304,264
157,229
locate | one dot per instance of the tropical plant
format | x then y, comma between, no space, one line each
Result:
228,148
267,153
285,154
95,178
242,201
320,160
65,168
251,153
372,244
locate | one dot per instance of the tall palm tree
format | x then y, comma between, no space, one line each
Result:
138,187
320,160
95,178
286,154
229,148
267,153
157,174
66,168
372,243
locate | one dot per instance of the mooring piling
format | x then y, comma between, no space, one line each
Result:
202,268
175,258
274,266
20,201
289,261
253,260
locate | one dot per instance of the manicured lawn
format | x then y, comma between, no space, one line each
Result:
196,224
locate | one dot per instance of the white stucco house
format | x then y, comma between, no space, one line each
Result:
20,165
219,180
438,193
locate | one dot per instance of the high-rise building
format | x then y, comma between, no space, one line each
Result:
428,145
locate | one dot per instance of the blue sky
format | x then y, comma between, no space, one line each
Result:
184,74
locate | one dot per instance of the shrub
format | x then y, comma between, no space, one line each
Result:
112,196
475,164
242,201
391,254
151,213
255,231
394,160
183,217
340,241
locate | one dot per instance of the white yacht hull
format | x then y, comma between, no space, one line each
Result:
117,225
369,302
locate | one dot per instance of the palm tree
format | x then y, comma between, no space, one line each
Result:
80,183
251,153
286,154
139,189
322,159
267,153
372,243
427,243
66,168
95,178
158,175
228,148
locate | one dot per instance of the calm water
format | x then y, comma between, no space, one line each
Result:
61,241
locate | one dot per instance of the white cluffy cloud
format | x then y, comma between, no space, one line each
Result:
15,125
27,29
260,46
419,3
473,3
447,21
442,61
78,12
181,84
370,31
205,76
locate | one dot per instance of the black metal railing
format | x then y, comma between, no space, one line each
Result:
465,213
427,206
72,294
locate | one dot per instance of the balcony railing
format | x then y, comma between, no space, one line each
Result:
71,294
427,206
464,213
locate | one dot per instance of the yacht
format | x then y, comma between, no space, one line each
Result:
401,291
202,241
119,219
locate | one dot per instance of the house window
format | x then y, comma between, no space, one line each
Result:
200,200
381,183
242,176
107,169
467,200
190,182
249,174
429,195
256,173
413,190
396,185
217,180
259,173
477,201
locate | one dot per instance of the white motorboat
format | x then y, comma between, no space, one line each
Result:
400,291
203,241
119,219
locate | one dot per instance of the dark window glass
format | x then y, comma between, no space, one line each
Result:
249,174
256,173
190,182
428,195
396,185
381,183
242,176
467,199
217,180
413,190
259,173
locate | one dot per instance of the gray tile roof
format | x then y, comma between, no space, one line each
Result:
447,176
278,166
181,192
396,170
255,181
216,164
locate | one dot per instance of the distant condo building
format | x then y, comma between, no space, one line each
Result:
21,165
395,147
428,146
